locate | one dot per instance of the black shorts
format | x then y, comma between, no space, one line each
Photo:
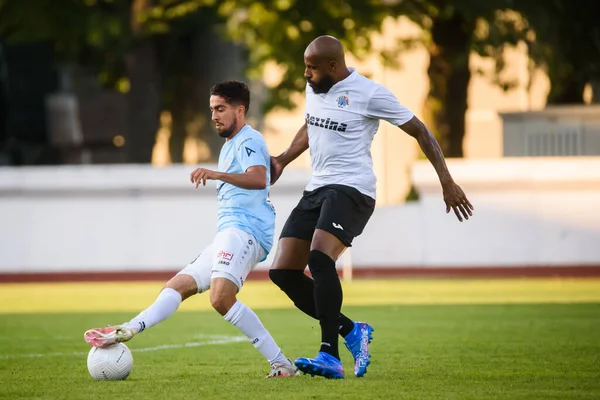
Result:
338,209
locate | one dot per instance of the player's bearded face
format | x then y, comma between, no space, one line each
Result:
226,130
224,116
321,85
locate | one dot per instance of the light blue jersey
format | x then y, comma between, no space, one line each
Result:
248,210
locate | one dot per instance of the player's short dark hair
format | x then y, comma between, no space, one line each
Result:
234,92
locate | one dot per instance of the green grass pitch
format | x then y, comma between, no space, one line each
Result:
443,351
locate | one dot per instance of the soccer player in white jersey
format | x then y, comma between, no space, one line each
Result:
246,223
343,110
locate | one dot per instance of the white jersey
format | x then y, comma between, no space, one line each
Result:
341,126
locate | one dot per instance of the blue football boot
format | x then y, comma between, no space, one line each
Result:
357,341
323,364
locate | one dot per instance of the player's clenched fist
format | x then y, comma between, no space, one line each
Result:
202,175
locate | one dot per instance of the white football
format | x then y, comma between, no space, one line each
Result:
112,363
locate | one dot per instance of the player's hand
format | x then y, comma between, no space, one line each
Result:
201,175
456,200
276,169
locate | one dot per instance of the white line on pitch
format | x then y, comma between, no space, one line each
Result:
217,340
193,344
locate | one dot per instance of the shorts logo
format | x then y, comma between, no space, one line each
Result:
343,101
225,255
337,226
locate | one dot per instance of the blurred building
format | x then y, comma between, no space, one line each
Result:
552,132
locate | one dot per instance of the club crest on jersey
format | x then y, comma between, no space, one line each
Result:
343,101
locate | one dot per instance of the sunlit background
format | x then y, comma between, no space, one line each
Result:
104,113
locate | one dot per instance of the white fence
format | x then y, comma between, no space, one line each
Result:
528,212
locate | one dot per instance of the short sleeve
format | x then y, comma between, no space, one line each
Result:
384,105
251,153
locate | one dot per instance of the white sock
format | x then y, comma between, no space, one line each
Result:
164,306
247,321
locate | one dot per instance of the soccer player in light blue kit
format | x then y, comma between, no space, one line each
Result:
246,224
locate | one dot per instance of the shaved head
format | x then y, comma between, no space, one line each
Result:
327,48
325,63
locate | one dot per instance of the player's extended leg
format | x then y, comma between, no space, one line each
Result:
177,289
194,278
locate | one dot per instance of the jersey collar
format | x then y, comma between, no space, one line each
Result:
347,80
245,127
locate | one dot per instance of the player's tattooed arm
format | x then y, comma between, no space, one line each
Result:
454,197
255,177
298,146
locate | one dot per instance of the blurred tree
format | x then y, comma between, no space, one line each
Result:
561,34
3,102
144,87
565,38
146,47
280,29
189,68
93,33
454,29
276,30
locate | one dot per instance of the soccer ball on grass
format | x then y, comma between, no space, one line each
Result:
112,363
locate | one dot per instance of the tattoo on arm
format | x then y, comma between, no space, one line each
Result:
429,145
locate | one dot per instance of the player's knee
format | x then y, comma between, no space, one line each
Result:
331,245
223,295
222,300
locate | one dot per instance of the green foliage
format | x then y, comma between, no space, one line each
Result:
92,33
97,32
561,35
496,26
280,30
564,37
276,30
41,20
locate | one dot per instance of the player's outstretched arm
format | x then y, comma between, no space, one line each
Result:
454,197
255,177
297,147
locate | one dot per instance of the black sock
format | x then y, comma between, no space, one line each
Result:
301,290
328,299
346,325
